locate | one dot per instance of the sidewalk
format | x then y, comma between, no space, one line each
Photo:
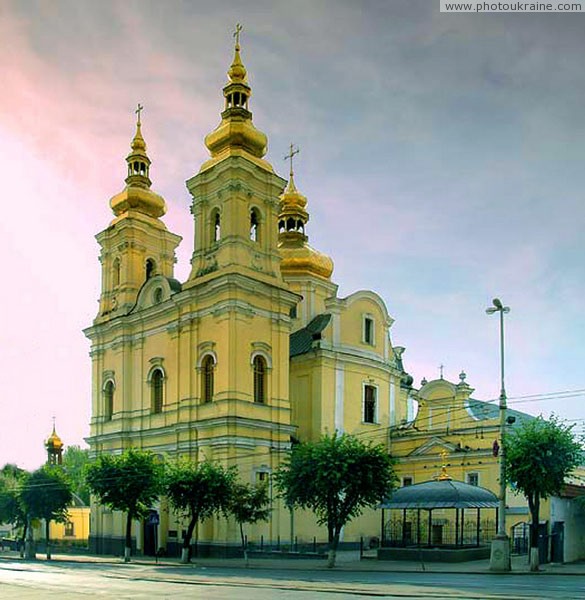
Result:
349,562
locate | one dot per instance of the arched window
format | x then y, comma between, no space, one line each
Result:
116,272
108,400
254,225
216,232
156,389
150,268
207,368
259,365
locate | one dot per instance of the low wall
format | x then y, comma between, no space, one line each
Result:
448,555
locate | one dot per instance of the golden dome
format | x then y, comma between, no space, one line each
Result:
137,194
239,132
237,72
141,199
54,441
298,258
236,130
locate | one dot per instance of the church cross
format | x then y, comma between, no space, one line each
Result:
290,156
236,34
441,367
138,110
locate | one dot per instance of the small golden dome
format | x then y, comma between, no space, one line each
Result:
54,442
140,199
237,72
291,197
137,194
298,258
138,144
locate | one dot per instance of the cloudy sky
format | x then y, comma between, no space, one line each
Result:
442,156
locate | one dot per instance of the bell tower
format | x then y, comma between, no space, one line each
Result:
136,245
235,194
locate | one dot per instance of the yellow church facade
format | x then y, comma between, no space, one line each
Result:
255,350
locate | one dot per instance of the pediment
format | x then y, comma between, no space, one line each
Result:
156,290
433,447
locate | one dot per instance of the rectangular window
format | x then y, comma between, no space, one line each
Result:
406,481
369,331
473,479
69,529
369,404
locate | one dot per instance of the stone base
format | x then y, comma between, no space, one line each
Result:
445,555
500,555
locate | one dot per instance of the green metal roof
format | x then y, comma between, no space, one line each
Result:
446,493
301,341
490,410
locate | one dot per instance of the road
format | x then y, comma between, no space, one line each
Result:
66,581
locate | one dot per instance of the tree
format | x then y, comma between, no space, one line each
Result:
539,455
11,510
129,482
46,494
74,461
336,477
249,504
198,491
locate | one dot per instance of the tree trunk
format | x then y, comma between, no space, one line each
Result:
332,554
534,505
29,545
48,541
128,542
244,545
186,552
23,540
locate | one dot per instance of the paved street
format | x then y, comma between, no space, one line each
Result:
78,579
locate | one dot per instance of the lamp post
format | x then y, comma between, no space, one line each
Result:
500,550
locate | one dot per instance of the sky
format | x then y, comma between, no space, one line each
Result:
441,155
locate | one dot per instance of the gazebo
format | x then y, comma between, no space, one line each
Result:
416,530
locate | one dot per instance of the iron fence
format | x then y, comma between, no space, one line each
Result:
415,530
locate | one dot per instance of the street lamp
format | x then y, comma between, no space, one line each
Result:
500,550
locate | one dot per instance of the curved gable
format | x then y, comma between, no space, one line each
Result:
156,290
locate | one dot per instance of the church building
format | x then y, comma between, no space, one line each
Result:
255,350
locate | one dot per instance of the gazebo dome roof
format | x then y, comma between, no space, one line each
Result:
445,493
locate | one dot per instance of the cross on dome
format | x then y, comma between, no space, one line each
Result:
291,155
138,110
236,34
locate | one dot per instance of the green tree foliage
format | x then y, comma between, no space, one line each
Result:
249,504
129,482
336,478
46,494
11,509
74,461
538,457
198,491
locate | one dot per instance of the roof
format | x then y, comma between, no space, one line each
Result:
445,493
301,341
487,410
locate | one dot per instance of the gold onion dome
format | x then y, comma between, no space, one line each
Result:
236,130
54,441
297,257
137,195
